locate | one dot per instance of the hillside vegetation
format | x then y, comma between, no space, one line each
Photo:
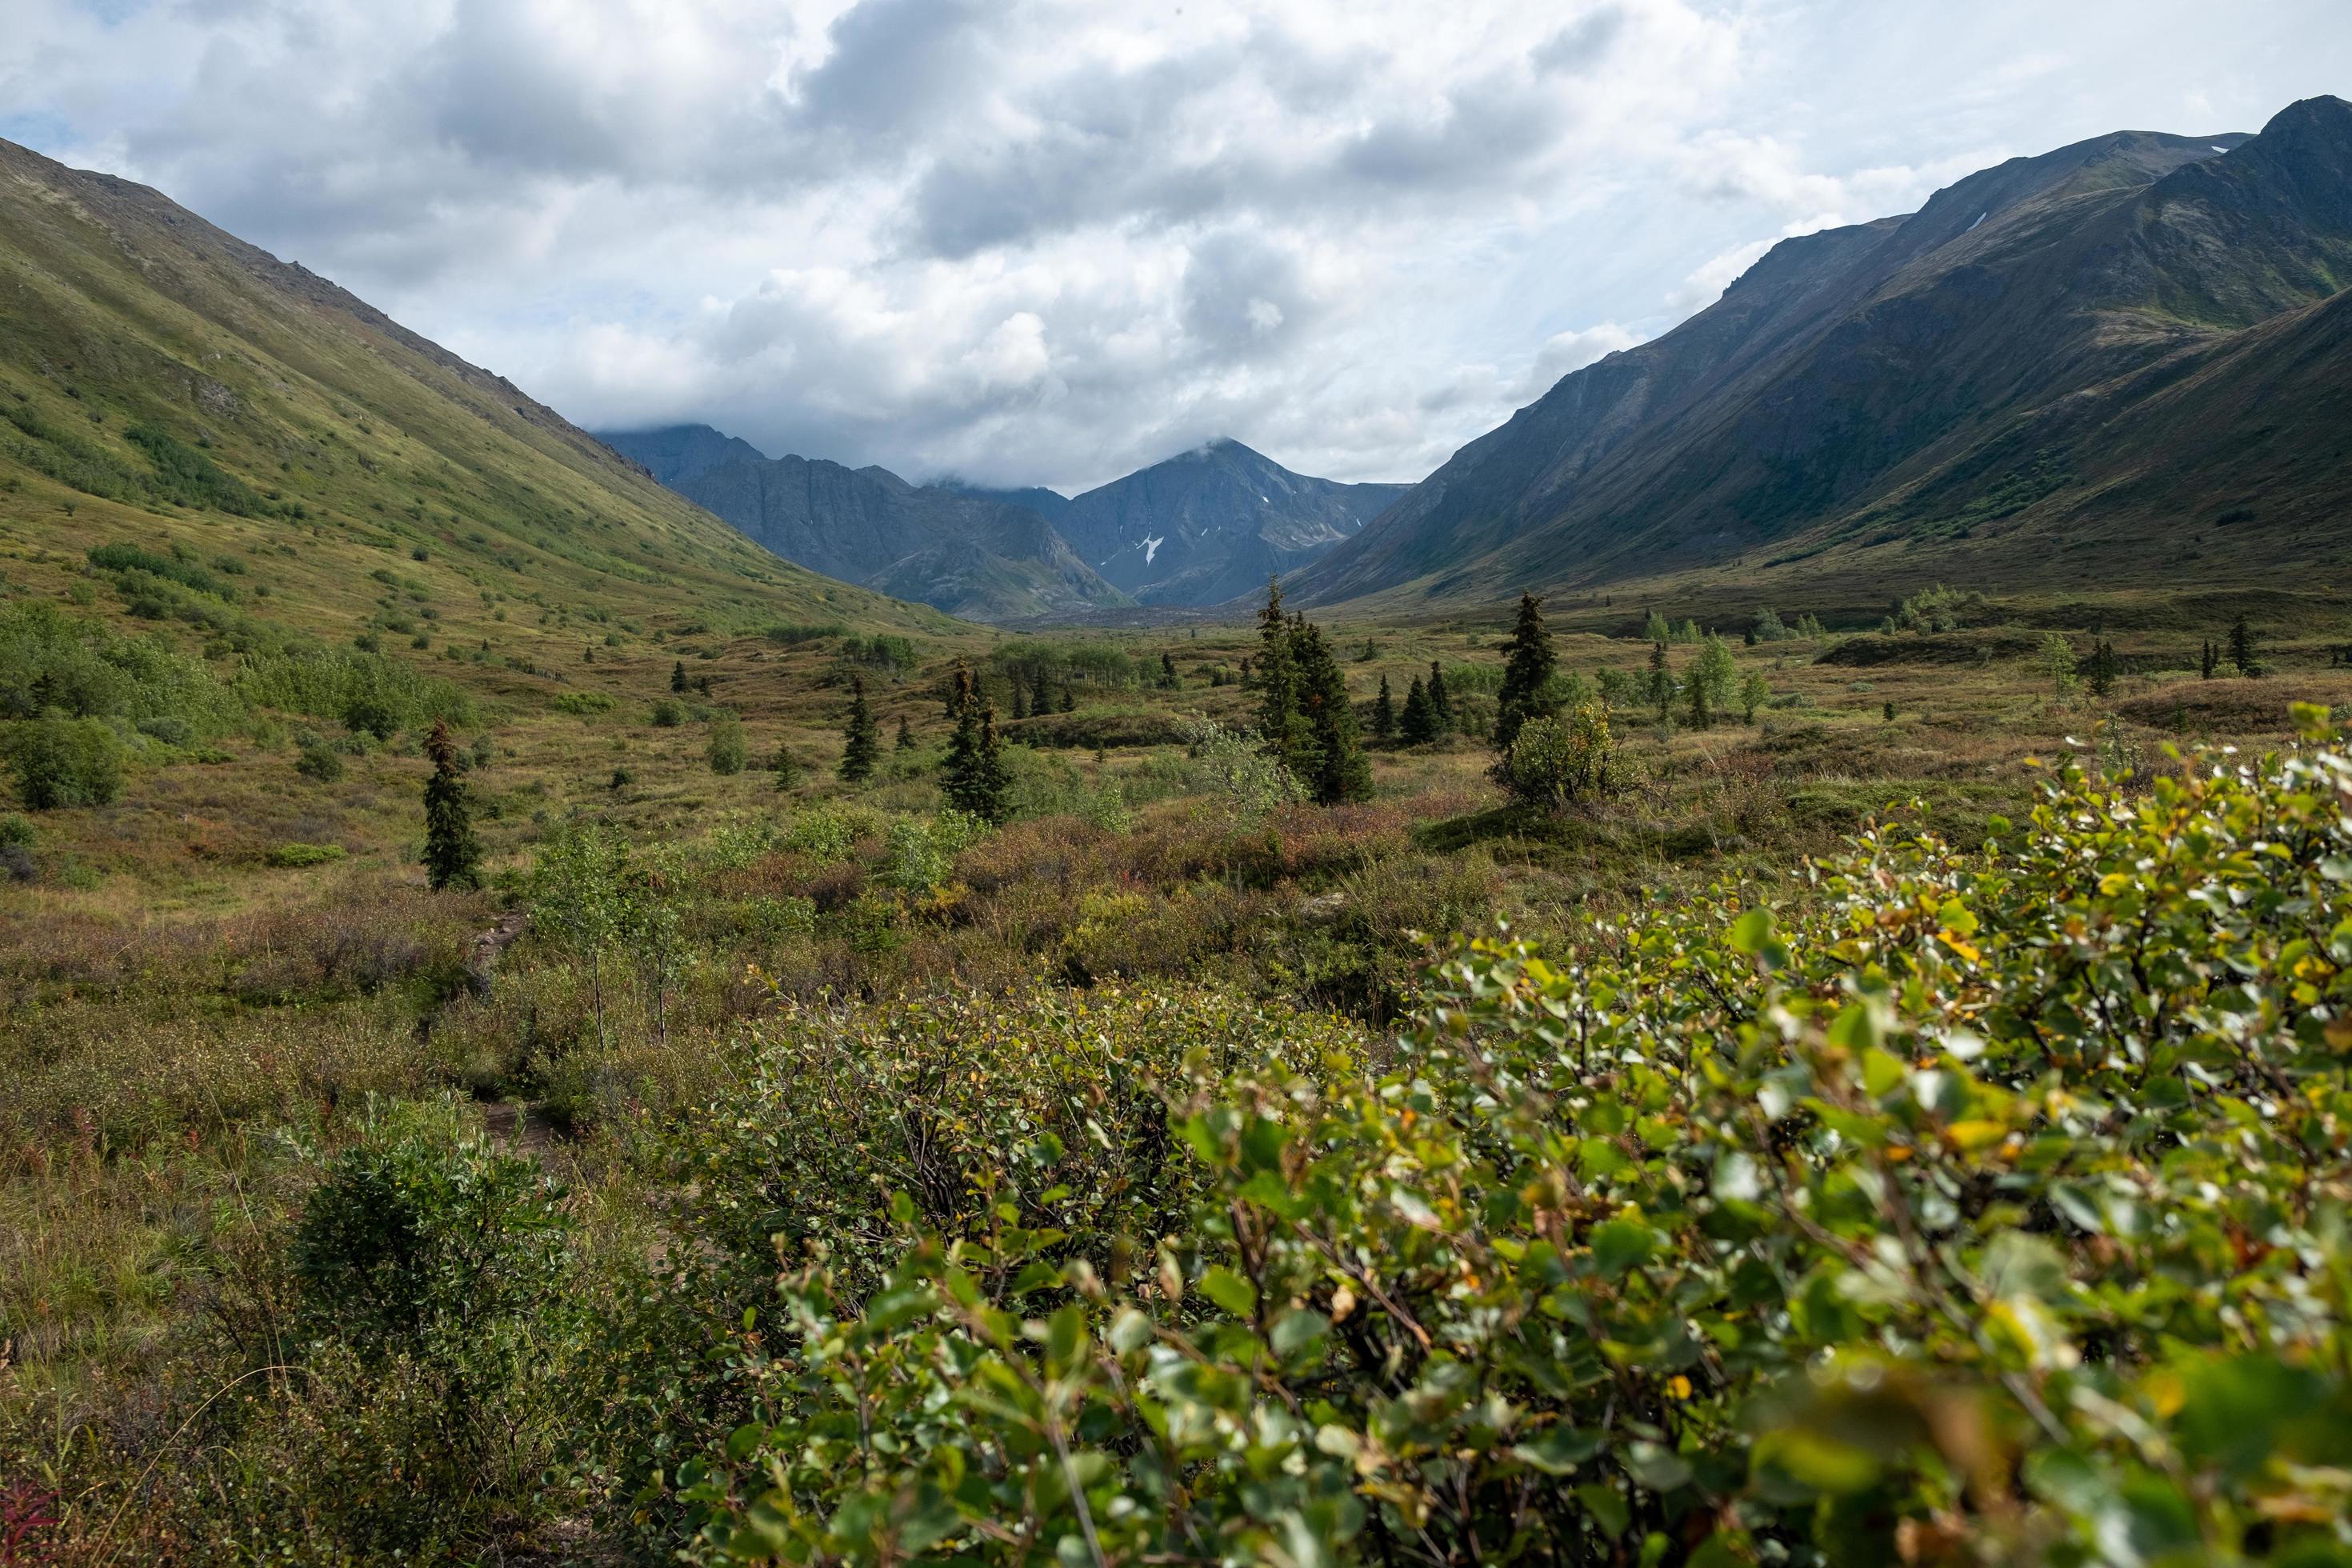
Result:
532,1032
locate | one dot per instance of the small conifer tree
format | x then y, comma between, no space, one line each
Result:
1340,770
1384,717
452,854
861,744
905,734
1526,671
1441,706
973,775
2241,646
2099,671
1417,726
678,676
2208,659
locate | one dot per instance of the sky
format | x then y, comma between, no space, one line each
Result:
1050,241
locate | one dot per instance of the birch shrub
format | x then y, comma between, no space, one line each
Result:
1974,1207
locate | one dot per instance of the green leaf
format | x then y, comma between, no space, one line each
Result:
1750,931
1619,1246
1559,1450
1229,1290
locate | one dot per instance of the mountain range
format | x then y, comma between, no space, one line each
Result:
1203,526
2121,363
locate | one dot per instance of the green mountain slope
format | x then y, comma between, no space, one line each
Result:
1969,392
168,387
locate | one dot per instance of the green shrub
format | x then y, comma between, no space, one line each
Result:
185,474
366,692
294,855
668,714
313,758
920,857
85,668
132,559
829,833
433,1276
1987,1207
726,752
584,703
62,762
1556,761
17,831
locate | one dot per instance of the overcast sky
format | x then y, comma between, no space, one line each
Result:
1028,241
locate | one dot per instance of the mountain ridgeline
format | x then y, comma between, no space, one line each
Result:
1199,528
2124,362
169,390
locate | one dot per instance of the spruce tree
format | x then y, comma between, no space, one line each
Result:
861,742
1020,699
2100,670
452,854
678,676
2208,659
1069,703
1169,680
785,766
1526,670
1384,718
1662,680
1441,706
1340,770
2241,646
1694,691
974,777
1282,723
905,734
1417,726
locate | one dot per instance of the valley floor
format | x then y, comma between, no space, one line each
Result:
206,1020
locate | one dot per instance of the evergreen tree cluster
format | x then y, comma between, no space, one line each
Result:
973,775
1305,718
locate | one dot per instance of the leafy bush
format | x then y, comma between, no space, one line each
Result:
432,1272
314,758
668,714
297,854
129,558
367,692
1990,1206
584,703
894,654
725,751
791,633
62,762
1230,764
185,474
82,666
1554,762
921,854
829,833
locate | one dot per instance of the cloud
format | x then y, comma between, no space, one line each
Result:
1046,240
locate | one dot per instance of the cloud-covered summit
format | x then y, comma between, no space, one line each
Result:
1051,241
